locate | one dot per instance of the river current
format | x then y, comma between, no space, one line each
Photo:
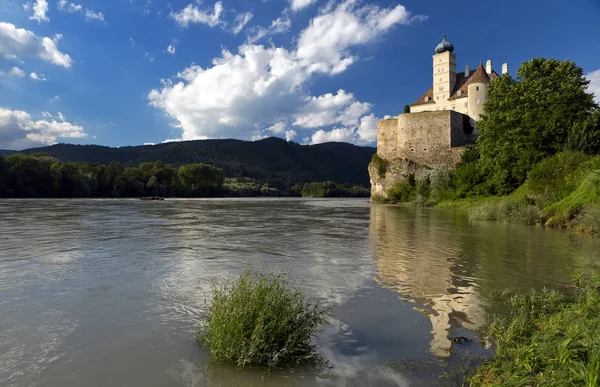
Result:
109,292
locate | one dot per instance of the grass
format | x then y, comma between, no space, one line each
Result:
549,339
260,320
507,210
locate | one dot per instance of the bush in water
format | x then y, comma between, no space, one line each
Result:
260,320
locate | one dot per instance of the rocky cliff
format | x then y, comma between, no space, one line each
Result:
385,173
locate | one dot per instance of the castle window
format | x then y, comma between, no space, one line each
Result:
477,88
441,80
441,88
440,60
453,107
465,104
437,146
424,149
412,149
426,99
438,97
459,93
478,101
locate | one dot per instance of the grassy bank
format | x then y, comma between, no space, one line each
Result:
562,191
549,339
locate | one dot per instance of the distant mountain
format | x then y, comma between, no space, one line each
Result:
4,152
271,160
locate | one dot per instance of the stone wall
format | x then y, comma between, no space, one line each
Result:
387,135
428,138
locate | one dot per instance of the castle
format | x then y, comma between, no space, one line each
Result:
441,122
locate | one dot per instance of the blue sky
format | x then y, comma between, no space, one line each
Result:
129,72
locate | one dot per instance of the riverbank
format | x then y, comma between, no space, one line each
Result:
562,191
548,339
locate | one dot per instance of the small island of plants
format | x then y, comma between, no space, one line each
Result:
260,320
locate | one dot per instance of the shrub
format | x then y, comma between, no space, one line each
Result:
380,164
507,209
589,219
441,183
403,191
260,320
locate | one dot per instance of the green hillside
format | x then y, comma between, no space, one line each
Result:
272,160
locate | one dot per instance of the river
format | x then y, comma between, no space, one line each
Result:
109,292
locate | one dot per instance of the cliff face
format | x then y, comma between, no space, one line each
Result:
396,170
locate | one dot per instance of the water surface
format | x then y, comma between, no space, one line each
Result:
109,292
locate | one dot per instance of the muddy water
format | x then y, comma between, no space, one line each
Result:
108,292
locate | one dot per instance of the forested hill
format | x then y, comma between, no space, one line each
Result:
270,160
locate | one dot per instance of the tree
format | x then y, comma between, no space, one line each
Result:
540,113
406,108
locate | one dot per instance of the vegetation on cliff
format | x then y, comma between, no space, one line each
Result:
260,320
536,159
548,339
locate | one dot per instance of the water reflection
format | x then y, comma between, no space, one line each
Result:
449,267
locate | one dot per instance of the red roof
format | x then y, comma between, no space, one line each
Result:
462,84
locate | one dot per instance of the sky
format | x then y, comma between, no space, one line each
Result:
133,72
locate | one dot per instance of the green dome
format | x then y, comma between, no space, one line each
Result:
444,46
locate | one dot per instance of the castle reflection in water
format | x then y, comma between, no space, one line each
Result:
419,258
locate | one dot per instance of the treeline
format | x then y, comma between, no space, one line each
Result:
536,159
42,176
279,163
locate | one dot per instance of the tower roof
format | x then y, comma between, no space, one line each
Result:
444,46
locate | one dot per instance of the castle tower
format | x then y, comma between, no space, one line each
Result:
478,91
444,71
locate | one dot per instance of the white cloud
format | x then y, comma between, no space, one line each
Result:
18,130
16,42
63,5
89,14
148,56
290,135
192,14
54,99
171,49
240,22
324,45
264,90
13,72
334,135
297,5
37,77
39,11
278,26
132,42
594,86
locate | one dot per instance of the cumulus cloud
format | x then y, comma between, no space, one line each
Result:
171,49
17,42
594,86
193,14
13,72
334,135
18,130
324,45
296,5
40,8
37,77
260,91
89,14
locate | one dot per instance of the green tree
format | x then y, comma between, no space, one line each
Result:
540,113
